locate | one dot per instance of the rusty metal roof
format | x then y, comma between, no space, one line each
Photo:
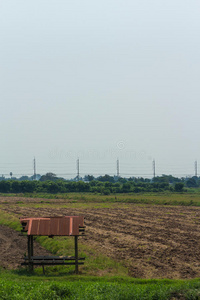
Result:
50,226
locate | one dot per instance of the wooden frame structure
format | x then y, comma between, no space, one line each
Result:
53,226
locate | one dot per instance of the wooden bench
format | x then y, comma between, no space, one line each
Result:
52,261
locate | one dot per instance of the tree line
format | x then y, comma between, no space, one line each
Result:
50,183
94,186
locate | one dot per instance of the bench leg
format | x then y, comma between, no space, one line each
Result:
43,269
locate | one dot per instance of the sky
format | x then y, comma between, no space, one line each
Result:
99,81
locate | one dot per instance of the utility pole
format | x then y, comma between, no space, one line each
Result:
195,168
77,165
154,168
118,167
34,169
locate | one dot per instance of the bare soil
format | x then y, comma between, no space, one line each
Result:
13,248
152,241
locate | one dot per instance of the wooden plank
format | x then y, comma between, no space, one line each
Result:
54,257
51,263
76,224
44,227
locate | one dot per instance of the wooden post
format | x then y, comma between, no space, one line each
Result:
30,252
76,253
31,245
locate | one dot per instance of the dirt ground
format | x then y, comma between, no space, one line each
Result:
13,248
152,241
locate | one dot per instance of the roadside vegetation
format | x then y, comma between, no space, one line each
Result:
14,285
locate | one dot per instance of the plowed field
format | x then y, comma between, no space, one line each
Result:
152,241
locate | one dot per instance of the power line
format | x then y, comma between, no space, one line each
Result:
102,168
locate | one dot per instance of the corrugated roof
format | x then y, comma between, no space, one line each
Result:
50,226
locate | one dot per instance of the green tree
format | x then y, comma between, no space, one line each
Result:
52,187
106,178
88,178
179,187
192,182
5,186
16,186
27,186
48,176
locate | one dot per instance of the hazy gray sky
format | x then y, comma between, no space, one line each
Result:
100,80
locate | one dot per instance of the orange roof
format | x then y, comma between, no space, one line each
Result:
50,226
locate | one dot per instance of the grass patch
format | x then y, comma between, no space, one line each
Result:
13,286
190,198
95,263
9,220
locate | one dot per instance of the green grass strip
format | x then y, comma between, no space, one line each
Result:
13,286
189,198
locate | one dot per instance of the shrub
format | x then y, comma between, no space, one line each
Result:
179,187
